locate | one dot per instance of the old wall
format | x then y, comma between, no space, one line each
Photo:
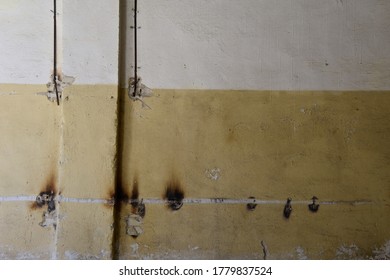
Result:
264,99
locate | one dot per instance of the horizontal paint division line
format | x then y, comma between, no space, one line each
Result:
61,199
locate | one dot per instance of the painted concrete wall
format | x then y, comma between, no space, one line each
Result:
293,129
267,45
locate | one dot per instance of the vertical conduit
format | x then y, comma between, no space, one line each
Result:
55,52
135,48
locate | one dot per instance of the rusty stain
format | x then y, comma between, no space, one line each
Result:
174,194
111,199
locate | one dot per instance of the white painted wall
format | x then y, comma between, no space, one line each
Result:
90,42
89,35
266,44
26,41
206,44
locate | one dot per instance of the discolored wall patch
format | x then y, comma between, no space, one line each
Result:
174,194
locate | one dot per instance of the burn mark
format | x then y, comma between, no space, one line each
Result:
111,199
120,196
313,207
141,209
137,206
46,196
134,194
251,206
174,195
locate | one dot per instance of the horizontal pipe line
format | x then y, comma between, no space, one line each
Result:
61,198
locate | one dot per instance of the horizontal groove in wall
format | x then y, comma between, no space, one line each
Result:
61,199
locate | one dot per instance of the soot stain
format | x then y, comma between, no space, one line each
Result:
134,194
49,189
174,194
121,196
110,200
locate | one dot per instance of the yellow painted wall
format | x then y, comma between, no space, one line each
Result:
211,144
99,148
270,145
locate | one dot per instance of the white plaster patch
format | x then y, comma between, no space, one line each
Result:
72,255
301,253
383,253
213,174
134,249
134,225
49,219
348,252
61,84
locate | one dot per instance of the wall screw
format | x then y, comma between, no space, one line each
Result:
251,206
287,208
313,207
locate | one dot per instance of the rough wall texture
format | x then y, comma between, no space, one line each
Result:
263,99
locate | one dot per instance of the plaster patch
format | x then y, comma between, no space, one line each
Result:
139,92
213,174
61,85
72,255
348,252
49,219
383,253
301,253
134,249
134,225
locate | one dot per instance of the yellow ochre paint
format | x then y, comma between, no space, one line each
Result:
234,144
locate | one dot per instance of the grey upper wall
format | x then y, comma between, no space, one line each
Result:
203,44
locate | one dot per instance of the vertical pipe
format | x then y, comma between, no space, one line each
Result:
119,191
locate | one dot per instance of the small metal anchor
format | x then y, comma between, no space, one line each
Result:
251,206
313,207
287,208
141,209
175,204
46,198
